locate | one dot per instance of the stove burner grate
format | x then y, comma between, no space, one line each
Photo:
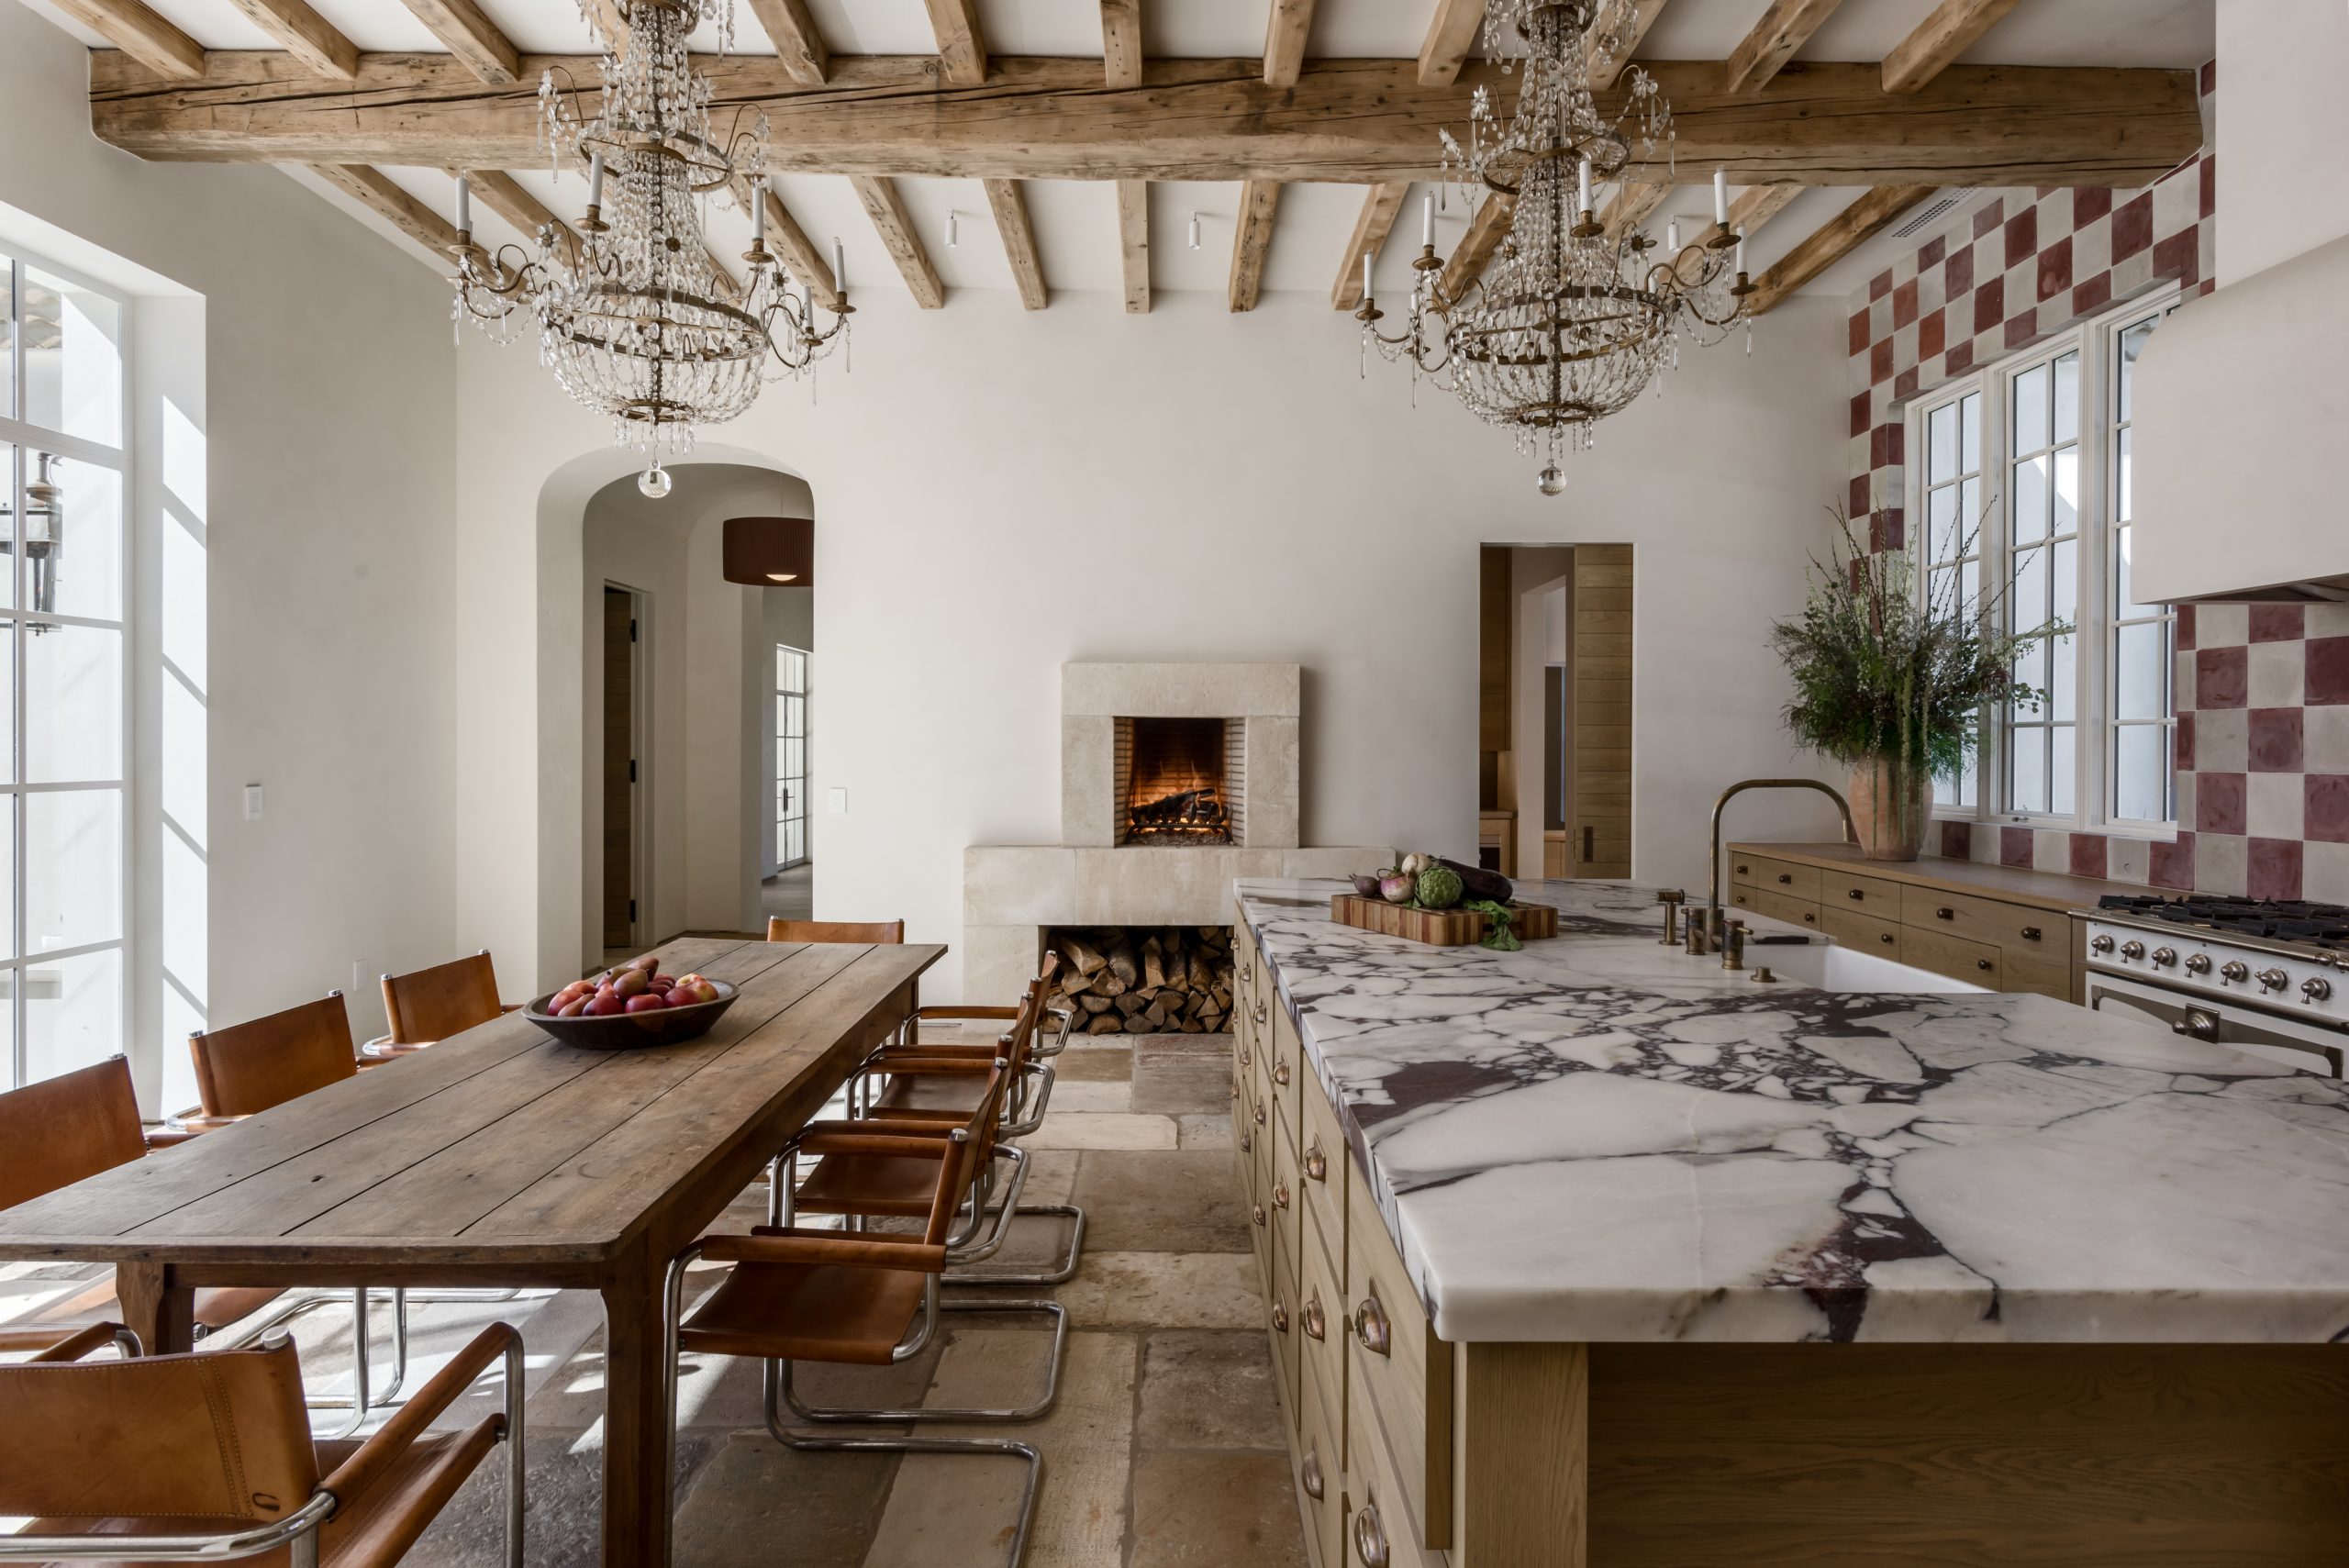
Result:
2280,919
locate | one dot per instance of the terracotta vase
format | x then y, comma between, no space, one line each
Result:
1889,808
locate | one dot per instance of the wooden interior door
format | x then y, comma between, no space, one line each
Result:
620,768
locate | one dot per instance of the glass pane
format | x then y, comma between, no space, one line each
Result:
1941,444
72,703
795,759
2066,604
2067,398
2030,395
7,513
1969,420
2067,492
2064,679
72,537
7,697
795,716
2141,671
1941,521
72,1012
2031,500
8,356
2062,758
72,358
1970,590
782,665
2123,490
7,883
73,868
794,841
2132,343
2027,769
1969,516
2122,603
2140,771
2028,605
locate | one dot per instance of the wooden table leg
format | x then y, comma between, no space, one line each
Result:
636,1442
161,1313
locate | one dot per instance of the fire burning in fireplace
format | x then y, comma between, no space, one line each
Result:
1179,780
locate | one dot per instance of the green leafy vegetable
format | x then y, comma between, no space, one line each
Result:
1501,938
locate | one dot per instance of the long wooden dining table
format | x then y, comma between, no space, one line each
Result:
497,1158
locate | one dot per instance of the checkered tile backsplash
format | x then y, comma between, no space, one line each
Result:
2263,690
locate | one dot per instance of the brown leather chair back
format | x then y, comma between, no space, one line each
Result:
216,1436
967,1157
449,999
251,1066
64,1128
890,931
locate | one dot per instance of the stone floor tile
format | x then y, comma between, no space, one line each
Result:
1175,1083
562,1506
1202,1131
1210,1510
1164,1290
1081,1094
1082,1063
1208,1391
757,1501
1101,1129
1162,1200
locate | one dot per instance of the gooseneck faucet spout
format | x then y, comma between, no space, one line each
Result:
1713,860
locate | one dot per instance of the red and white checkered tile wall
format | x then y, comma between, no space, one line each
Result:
2262,691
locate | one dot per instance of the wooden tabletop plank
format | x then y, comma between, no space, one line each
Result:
796,1058
455,1186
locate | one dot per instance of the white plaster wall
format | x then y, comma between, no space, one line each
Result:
983,462
331,556
2284,127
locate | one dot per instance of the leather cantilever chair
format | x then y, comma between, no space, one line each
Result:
869,1300
781,930
218,1462
427,1005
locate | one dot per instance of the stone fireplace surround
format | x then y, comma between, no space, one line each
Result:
1012,893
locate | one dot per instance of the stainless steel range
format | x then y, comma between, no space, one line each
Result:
2263,975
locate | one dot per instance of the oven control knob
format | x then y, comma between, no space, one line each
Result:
2273,980
2164,958
2199,964
2235,971
2133,951
2100,944
2316,987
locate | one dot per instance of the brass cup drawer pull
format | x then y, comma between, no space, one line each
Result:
1235,1091
2031,933
1257,1214
1370,1538
1247,1143
1310,1471
1317,1164
1280,1316
1260,1014
1280,1073
1246,1056
1280,1194
1371,1328
1246,974
1945,913
1316,1321
1260,1115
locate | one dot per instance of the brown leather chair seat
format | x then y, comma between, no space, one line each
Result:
825,1312
869,1184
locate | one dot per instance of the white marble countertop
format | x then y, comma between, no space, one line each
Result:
1599,1138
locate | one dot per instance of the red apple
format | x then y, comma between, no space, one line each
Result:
605,1007
647,1002
698,990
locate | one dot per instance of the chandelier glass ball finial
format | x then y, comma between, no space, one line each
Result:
1551,481
654,482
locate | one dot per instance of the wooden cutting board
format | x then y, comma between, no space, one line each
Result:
1438,928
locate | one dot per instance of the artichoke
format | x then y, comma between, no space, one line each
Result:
1440,888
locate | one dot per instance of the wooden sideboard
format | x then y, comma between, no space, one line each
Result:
2000,927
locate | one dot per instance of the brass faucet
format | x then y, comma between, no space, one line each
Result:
1713,860
1733,945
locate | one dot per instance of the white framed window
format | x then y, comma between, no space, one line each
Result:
790,756
65,832
2021,478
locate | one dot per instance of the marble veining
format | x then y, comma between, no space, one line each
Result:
1600,1138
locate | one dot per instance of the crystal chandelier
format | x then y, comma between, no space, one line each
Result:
1567,325
635,316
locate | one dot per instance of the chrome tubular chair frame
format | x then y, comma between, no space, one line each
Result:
360,1399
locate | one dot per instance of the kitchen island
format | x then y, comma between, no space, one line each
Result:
1617,1257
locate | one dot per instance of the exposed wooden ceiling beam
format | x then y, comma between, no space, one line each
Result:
1379,205
373,190
1133,243
898,236
1842,235
503,195
613,23
1452,33
141,33
1485,232
797,42
961,47
1938,40
1121,42
1259,200
472,37
1285,32
1632,205
1636,18
1353,121
307,37
1010,210
1784,28
1757,205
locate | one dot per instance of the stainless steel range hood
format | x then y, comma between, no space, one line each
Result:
2241,440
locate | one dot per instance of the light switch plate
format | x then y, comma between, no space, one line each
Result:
837,800
252,802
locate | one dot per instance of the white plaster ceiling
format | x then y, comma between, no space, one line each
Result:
1075,222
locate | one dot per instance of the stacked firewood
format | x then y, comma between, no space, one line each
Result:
1153,980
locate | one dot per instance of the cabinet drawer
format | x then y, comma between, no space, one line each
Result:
1860,933
1320,1328
1326,1168
1321,1457
1400,1380
2041,967
1776,906
1954,956
1287,1071
1378,1529
1285,1202
1870,895
1775,877
1280,1316
2016,926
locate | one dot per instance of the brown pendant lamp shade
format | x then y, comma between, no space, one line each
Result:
771,552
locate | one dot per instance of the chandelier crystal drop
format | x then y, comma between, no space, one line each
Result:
1567,324
636,316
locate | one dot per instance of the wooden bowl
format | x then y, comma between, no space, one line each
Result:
628,1031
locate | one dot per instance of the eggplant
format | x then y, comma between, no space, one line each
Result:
1478,883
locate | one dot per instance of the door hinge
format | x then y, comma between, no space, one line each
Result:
631,770
631,911
631,628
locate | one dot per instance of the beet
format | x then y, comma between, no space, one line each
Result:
1478,883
